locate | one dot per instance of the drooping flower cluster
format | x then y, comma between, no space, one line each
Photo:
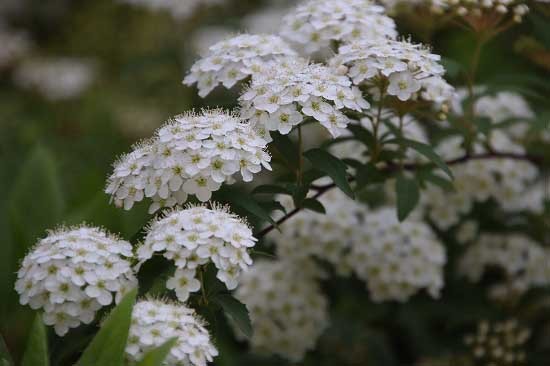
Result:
292,89
401,69
499,343
472,10
56,79
192,154
524,263
288,315
72,273
314,24
194,237
178,9
154,322
235,59
501,179
325,236
395,259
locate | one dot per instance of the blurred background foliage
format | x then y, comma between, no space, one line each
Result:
55,156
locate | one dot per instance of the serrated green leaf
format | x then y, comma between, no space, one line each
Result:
408,195
236,311
156,356
36,352
314,205
428,152
107,347
331,166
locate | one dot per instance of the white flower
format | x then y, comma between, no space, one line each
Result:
14,46
315,23
178,9
194,237
290,89
154,322
72,273
192,154
56,79
523,262
410,70
288,315
396,260
235,59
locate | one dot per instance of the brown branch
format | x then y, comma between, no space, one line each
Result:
320,190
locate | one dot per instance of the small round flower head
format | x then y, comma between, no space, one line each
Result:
401,69
288,315
72,273
56,79
325,236
192,154
154,322
397,260
194,237
504,180
314,24
523,262
291,89
235,59
499,343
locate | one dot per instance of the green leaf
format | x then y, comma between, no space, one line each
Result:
332,166
286,150
236,311
428,152
246,202
313,205
408,195
107,347
36,353
270,189
5,357
362,134
156,356
428,176
368,173
36,201
452,67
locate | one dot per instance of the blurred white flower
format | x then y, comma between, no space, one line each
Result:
286,306
15,44
56,79
178,9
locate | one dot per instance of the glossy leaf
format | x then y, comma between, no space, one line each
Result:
408,195
236,311
156,356
331,166
36,352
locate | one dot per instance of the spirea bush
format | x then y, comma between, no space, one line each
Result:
364,194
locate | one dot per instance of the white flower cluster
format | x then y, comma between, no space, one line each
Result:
314,24
402,69
14,46
325,236
72,273
235,59
499,343
395,259
288,315
525,264
477,8
154,322
504,180
291,89
396,6
56,79
178,9
191,154
197,236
